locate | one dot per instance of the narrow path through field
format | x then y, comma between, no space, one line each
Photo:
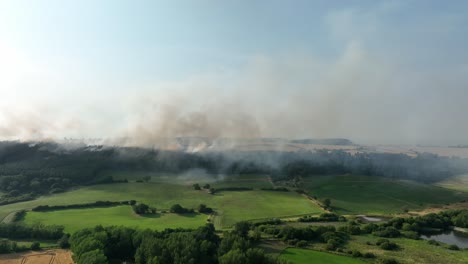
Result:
9,218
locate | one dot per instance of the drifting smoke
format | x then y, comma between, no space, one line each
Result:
359,96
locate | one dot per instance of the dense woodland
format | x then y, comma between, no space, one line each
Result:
28,170
203,245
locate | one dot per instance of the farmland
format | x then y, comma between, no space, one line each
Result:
251,198
230,206
374,195
75,219
302,256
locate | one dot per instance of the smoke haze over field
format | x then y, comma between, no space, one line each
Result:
374,73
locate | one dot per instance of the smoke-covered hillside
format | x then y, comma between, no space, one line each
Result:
29,169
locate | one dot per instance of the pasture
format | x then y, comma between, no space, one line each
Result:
457,183
411,251
76,219
231,206
305,256
376,195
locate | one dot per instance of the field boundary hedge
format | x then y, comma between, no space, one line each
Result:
45,208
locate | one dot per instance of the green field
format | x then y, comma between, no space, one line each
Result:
411,251
231,206
374,195
75,219
458,183
305,256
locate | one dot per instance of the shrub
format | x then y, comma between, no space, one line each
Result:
302,243
369,255
330,246
388,261
63,242
35,246
388,246
433,242
380,241
453,247
356,254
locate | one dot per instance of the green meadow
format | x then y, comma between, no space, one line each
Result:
458,183
411,251
76,219
230,206
376,195
305,256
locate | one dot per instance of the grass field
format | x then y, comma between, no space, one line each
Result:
305,256
412,251
458,183
374,195
75,219
231,206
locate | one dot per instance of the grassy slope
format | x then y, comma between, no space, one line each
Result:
75,219
412,251
232,206
305,256
458,183
373,195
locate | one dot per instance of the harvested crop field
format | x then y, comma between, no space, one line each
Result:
38,257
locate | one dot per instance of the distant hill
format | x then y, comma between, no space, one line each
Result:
326,141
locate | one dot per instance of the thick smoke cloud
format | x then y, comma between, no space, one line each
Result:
365,92
358,96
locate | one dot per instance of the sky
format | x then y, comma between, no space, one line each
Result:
371,71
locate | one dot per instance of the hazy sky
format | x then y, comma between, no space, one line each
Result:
371,71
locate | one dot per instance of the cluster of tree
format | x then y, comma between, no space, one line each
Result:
7,246
35,231
99,245
430,223
386,244
141,208
212,190
325,217
203,209
44,208
178,209
303,236
276,189
10,198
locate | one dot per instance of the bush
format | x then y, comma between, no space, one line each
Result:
380,241
453,247
330,246
388,246
63,242
411,235
433,242
302,243
369,255
356,254
35,246
178,209
203,209
388,261
387,232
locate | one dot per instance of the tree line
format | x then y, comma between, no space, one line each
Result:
99,245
